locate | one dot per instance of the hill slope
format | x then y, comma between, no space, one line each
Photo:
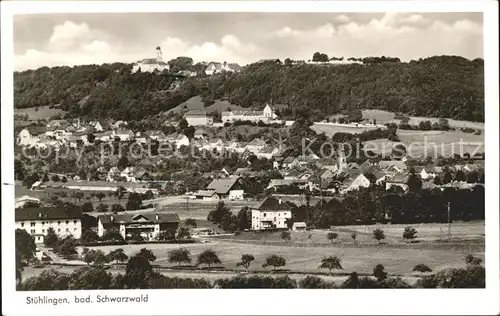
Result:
444,86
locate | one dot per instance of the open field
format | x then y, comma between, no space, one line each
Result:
397,260
384,117
43,112
195,103
431,143
329,130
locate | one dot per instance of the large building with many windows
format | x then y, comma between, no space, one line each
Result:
37,220
271,213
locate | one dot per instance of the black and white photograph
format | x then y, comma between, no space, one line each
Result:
212,146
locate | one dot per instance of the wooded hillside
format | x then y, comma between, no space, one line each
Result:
441,86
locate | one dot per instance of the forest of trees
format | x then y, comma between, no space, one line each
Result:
441,86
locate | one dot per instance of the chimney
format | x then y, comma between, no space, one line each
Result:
157,217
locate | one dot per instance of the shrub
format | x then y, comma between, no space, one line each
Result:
274,261
421,268
331,236
379,272
331,263
409,233
378,234
314,282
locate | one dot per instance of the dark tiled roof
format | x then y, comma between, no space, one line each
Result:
196,113
36,130
222,186
49,213
140,217
272,204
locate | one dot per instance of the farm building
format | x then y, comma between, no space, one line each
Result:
271,213
148,225
299,226
229,188
198,118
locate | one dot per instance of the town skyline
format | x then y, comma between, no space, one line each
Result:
78,39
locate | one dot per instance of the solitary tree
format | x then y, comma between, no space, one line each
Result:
246,260
179,255
79,195
191,222
378,234
147,253
472,261
117,255
332,236
25,250
421,268
353,237
208,257
286,236
51,238
379,272
100,196
331,263
274,261
409,233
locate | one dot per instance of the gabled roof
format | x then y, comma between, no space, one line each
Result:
273,204
222,186
140,217
267,150
205,193
47,213
151,61
399,178
257,142
385,164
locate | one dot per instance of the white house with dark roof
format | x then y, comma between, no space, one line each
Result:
228,188
30,135
214,68
271,213
37,220
123,134
177,139
147,224
266,115
198,118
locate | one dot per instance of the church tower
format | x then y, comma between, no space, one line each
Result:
341,159
159,57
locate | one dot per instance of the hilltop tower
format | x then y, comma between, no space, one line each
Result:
159,56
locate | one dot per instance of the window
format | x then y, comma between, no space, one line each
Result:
58,230
264,214
43,223
58,222
74,222
32,224
38,238
74,229
67,222
43,230
67,230
32,231
279,214
22,224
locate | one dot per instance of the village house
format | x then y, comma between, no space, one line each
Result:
255,145
123,134
156,135
214,68
30,135
149,225
399,180
267,152
266,115
206,195
229,188
302,160
354,181
104,136
271,213
276,184
177,139
392,165
198,118
37,220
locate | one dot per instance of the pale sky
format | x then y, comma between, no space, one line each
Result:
73,39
